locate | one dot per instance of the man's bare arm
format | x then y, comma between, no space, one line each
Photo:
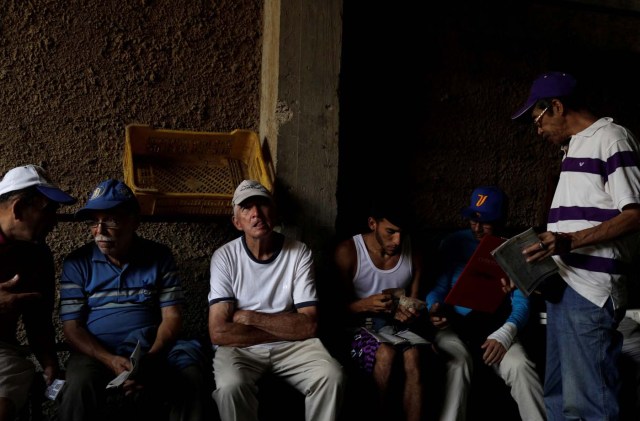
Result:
83,341
628,221
169,328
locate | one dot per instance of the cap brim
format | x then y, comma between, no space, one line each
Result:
85,212
57,195
474,215
467,213
239,200
527,105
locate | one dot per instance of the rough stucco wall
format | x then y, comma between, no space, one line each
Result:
74,73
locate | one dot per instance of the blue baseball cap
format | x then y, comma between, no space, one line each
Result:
487,205
548,85
109,194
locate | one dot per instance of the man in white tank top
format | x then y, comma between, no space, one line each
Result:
381,276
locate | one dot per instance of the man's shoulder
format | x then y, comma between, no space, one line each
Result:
24,253
30,260
292,243
141,243
30,248
457,236
231,245
346,245
82,252
607,129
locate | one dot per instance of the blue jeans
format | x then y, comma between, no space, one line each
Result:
582,380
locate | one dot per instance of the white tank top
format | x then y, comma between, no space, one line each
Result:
370,280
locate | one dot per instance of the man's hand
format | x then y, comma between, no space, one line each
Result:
10,301
118,364
550,243
379,303
493,352
406,315
507,285
437,317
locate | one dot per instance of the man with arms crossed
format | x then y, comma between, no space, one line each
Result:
263,316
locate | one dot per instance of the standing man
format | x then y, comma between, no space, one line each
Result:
117,292
28,205
468,336
263,315
592,235
370,265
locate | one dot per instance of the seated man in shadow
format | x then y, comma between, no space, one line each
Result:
120,293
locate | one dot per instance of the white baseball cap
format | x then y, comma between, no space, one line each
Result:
19,178
247,189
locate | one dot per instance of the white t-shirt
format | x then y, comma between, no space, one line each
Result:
283,283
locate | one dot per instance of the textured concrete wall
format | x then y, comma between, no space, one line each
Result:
428,91
74,73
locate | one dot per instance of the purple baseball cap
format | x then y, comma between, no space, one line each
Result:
548,85
487,204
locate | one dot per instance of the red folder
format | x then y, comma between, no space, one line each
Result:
478,287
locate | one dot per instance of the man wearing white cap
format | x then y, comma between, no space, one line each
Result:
263,315
592,234
28,205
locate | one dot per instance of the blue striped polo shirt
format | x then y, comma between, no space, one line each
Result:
115,301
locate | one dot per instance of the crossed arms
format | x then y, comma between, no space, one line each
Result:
241,328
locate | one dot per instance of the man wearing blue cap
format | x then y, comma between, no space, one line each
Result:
120,293
466,336
592,235
28,205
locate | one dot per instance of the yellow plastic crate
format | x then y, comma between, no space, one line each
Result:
174,172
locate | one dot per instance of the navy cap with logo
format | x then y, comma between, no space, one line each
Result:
488,204
108,195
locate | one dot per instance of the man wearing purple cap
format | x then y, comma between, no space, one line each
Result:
592,235
263,316
28,205
120,293
467,336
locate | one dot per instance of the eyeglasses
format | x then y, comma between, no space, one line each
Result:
536,121
110,224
